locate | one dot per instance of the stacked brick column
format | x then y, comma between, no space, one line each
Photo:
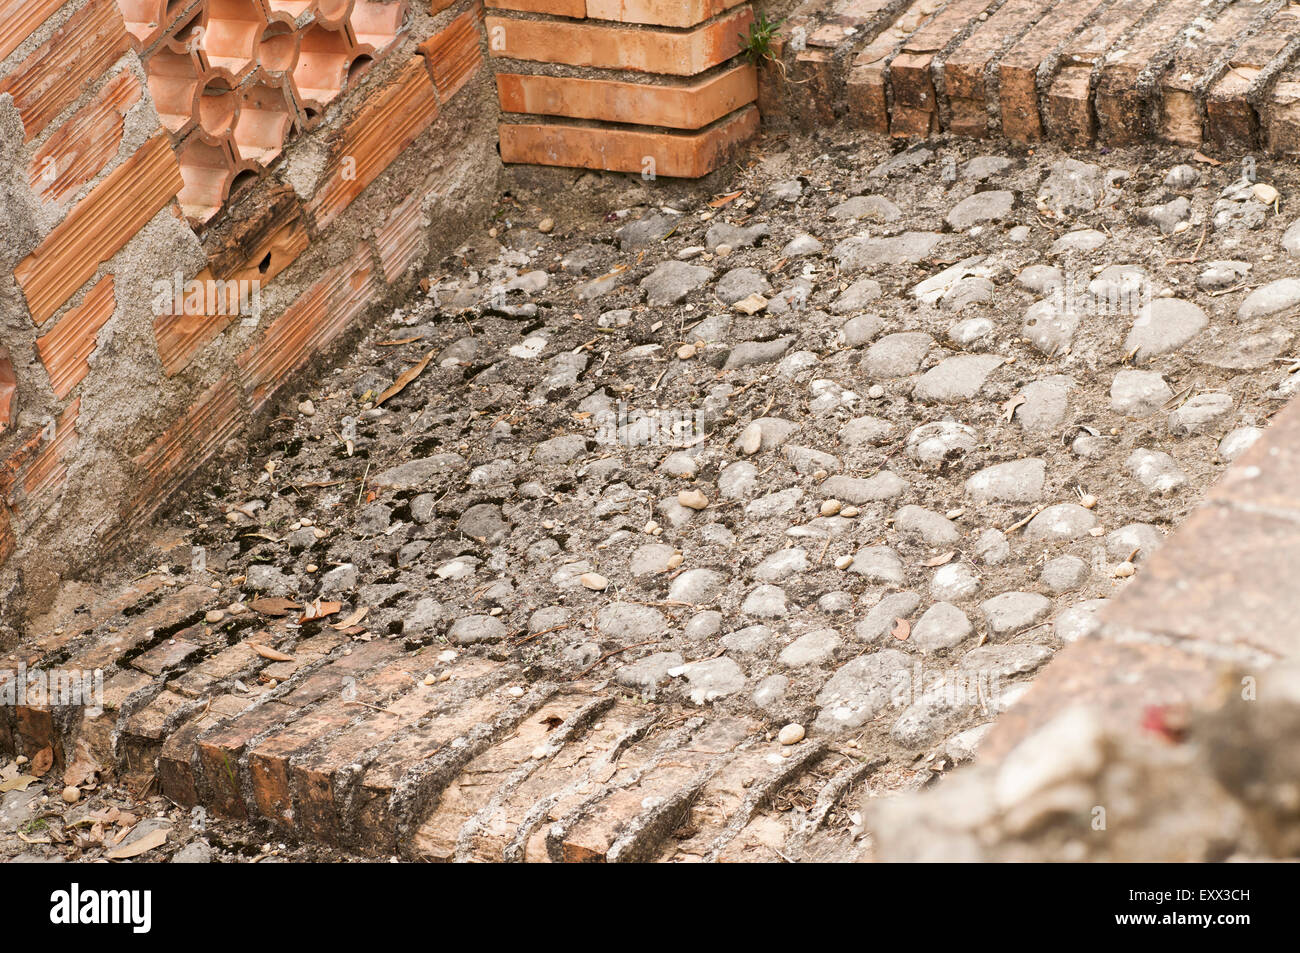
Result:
154,143
623,85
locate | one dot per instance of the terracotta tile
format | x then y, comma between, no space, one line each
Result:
8,386
172,73
322,68
679,107
266,115
619,150
208,170
19,19
616,47
66,348
320,315
82,146
261,237
377,24
231,31
98,227
147,20
453,54
49,468
187,321
385,125
52,78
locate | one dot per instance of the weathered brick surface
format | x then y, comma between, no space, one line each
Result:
1018,68
19,19
965,69
453,55
690,106
867,82
66,348
78,53
1229,113
99,225
674,13
49,468
615,47
81,148
688,156
1198,61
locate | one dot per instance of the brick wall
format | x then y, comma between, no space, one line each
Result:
198,199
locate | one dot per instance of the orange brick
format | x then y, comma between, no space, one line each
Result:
915,109
399,240
65,350
964,68
215,417
658,12
1230,116
678,107
865,86
49,468
618,150
453,55
83,145
576,9
98,227
186,322
19,19
52,78
221,751
8,387
1196,64
1018,68
1070,114
268,763
320,315
610,47
389,122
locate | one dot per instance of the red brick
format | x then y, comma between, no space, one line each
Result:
35,730
386,124
189,322
1018,68
1195,65
575,9
307,326
678,107
612,47
57,73
220,755
268,763
66,348
168,654
98,227
98,732
400,240
81,148
915,109
173,609
453,54
1230,116
964,68
867,80
618,150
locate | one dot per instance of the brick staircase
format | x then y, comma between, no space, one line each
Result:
433,755
1112,72
657,87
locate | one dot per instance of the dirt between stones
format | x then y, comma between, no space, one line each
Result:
699,504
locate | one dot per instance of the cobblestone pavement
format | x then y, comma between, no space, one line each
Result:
674,531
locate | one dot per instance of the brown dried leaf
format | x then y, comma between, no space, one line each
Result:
1202,157
352,620
727,199
273,605
82,768
408,375
1009,408
18,783
42,761
319,610
155,838
269,653
941,559
901,630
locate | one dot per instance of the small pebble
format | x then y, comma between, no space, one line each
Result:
791,734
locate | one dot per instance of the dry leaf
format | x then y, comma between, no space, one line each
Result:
1009,408
353,619
82,769
155,838
408,375
940,560
727,199
902,629
319,610
273,605
42,761
269,653
410,340
1202,157
19,783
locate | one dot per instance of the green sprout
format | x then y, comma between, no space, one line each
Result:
757,46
